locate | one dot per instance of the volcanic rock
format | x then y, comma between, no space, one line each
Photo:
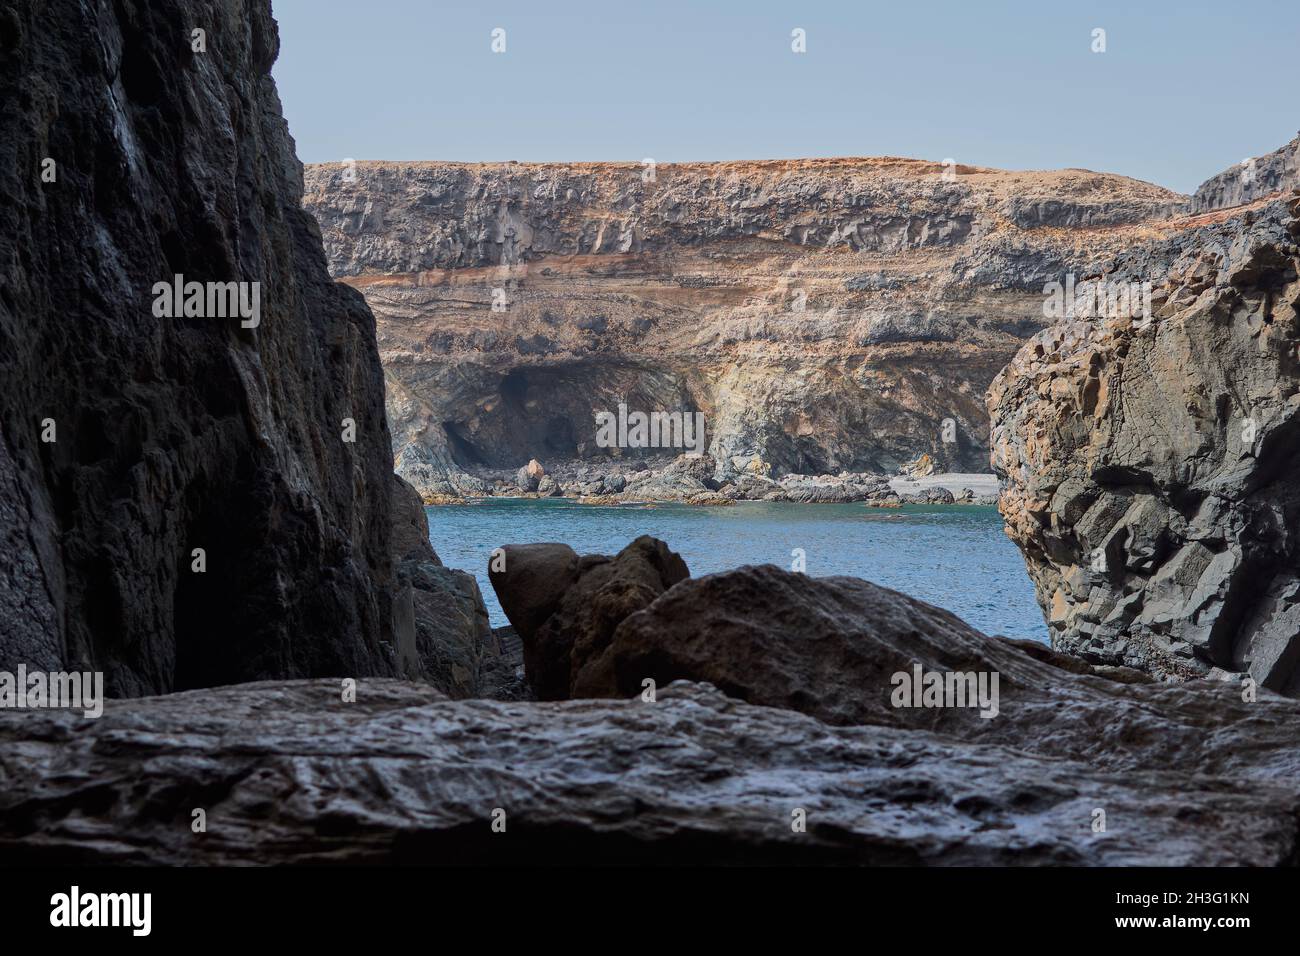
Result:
565,608
1272,175
289,774
1151,463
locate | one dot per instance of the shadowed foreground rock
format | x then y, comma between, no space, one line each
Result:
831,647
565,608
287,773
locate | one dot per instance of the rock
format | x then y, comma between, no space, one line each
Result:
583,600
530,580
452,633
613,484
176,434
535,468
935,495
835,648
900,274
1272,174
1150,465
831,489
550,487
526,480
290,775
923,467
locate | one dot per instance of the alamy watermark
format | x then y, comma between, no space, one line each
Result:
54,690
1100,298
922,688
208,300
651,430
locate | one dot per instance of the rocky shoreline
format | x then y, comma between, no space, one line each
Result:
693,480
217,530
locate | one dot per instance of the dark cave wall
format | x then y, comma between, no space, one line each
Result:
176,433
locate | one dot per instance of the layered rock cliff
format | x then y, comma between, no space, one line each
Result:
189,500
824,315
1151,463
1254,178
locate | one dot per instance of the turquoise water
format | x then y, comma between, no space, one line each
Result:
955,557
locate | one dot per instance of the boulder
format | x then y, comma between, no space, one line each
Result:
526,480
530,580
587,599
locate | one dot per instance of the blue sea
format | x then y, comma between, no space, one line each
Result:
953,556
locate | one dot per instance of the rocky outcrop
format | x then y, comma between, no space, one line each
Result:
189,500
1150,463
287,773
800,754
823,315
1080,766
1254,178
834,647
565,608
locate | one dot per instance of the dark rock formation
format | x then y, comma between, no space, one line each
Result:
127,441
833,647
1254,178
565,608
290,773
1151,464
443,631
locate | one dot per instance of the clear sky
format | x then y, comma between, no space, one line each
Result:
1182,91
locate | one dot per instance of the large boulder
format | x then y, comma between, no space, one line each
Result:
1150,464
841,650
565,608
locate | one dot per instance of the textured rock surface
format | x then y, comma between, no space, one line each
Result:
565,608
176,434
443,632
1273,174
831,647
287,773
1151,465
825,315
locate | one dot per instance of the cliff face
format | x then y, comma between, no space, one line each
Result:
1151,465
128,440
824,314
1271,175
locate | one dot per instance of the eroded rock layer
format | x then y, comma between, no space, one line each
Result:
824,315
1151,464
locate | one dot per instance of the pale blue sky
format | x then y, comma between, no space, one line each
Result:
1182,91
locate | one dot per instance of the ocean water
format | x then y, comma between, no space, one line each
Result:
955,557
